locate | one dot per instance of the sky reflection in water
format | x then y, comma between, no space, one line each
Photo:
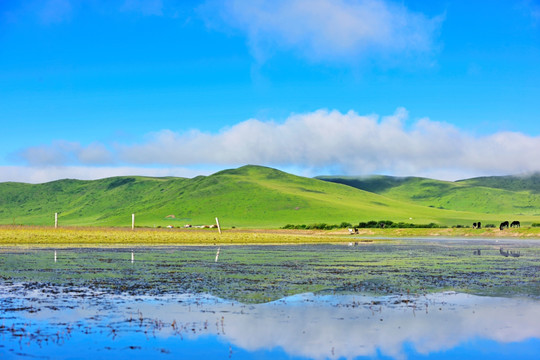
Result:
63,324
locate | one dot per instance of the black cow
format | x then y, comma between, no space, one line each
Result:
503,225
515,224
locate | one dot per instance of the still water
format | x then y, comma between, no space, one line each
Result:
78,323
273,302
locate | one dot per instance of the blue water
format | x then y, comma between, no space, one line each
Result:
65,325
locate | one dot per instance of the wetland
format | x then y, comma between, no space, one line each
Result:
354,298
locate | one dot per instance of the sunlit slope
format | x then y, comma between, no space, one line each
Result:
490,195
250,196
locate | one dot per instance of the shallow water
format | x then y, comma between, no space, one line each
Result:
82,323
272,302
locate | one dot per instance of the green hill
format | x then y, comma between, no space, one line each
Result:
488,195
529,183
250,196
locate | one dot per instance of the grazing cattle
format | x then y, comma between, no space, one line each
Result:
474,225
509,253
515,224
479,225
503,225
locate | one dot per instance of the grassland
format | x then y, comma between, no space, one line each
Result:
31,236
519,196
255,197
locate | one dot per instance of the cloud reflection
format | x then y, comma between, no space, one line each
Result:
344,326
305,325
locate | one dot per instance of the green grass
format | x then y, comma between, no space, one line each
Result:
250,197
518,196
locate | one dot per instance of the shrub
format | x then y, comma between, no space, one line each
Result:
535,224
489,225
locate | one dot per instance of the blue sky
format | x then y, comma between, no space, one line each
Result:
95,88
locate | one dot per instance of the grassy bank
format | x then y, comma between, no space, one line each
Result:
90,237
98,237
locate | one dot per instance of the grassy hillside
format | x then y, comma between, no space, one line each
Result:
530,183
250,196
489,195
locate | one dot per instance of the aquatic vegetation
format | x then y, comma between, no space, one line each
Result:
261,273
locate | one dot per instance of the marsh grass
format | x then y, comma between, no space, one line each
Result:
281,264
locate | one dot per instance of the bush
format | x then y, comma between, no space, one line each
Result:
372,224
489,225
535,224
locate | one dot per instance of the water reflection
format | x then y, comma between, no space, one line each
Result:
81,323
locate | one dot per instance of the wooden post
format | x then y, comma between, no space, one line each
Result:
55,220
217,255
218,227
132,221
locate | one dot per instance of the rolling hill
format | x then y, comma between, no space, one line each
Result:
518,195
250,196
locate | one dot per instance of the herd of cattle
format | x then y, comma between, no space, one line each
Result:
504,225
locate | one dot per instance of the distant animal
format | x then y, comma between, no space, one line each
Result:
503,225
479,225
477,252
509,253
382,225
515,224
474,225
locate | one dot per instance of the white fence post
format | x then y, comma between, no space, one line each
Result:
218,227
55,220
132,221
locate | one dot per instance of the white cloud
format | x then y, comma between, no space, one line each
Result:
318,142
348,143
336,30
41,174
66,152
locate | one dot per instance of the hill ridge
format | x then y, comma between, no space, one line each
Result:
248,196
